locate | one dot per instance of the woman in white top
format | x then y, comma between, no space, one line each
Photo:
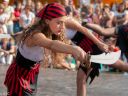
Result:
3,19
27,17
9,11
121,15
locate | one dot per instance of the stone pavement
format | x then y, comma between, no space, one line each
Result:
56,82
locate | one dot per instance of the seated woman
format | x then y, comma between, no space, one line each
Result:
8,46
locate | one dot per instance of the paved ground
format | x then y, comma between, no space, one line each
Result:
55,82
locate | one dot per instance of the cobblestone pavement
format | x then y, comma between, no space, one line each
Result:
56,82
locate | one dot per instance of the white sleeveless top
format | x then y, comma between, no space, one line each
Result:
70,33
35,53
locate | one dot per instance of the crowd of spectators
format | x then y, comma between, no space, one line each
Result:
15,18
102,14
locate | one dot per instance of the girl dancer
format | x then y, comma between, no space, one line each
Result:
21,77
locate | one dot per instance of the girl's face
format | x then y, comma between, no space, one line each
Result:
57,25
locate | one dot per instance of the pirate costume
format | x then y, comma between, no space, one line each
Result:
21,77
87,45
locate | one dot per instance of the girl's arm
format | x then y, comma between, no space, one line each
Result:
39,39
72,24
101,31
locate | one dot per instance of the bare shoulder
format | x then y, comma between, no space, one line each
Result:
69,20
37,38
38,35
71,23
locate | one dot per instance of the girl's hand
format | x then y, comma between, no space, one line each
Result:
104,47
78,53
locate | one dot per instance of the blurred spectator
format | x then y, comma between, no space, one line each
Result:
97,15
72,5
98,2
114,6
3,20
107,17
82,2
83,11
121,15
67,7
27,17
38,6
9,11
17,13
89,14
126,4
8,45
76,16
30,3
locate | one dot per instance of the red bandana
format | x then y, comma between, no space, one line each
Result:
53,10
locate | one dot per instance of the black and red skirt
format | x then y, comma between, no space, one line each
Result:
88,46
21,80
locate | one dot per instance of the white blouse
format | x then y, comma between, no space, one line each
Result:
35,53
70,33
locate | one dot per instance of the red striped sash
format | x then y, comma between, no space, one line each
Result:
86,44
19,78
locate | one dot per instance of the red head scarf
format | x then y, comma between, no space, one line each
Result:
53,10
